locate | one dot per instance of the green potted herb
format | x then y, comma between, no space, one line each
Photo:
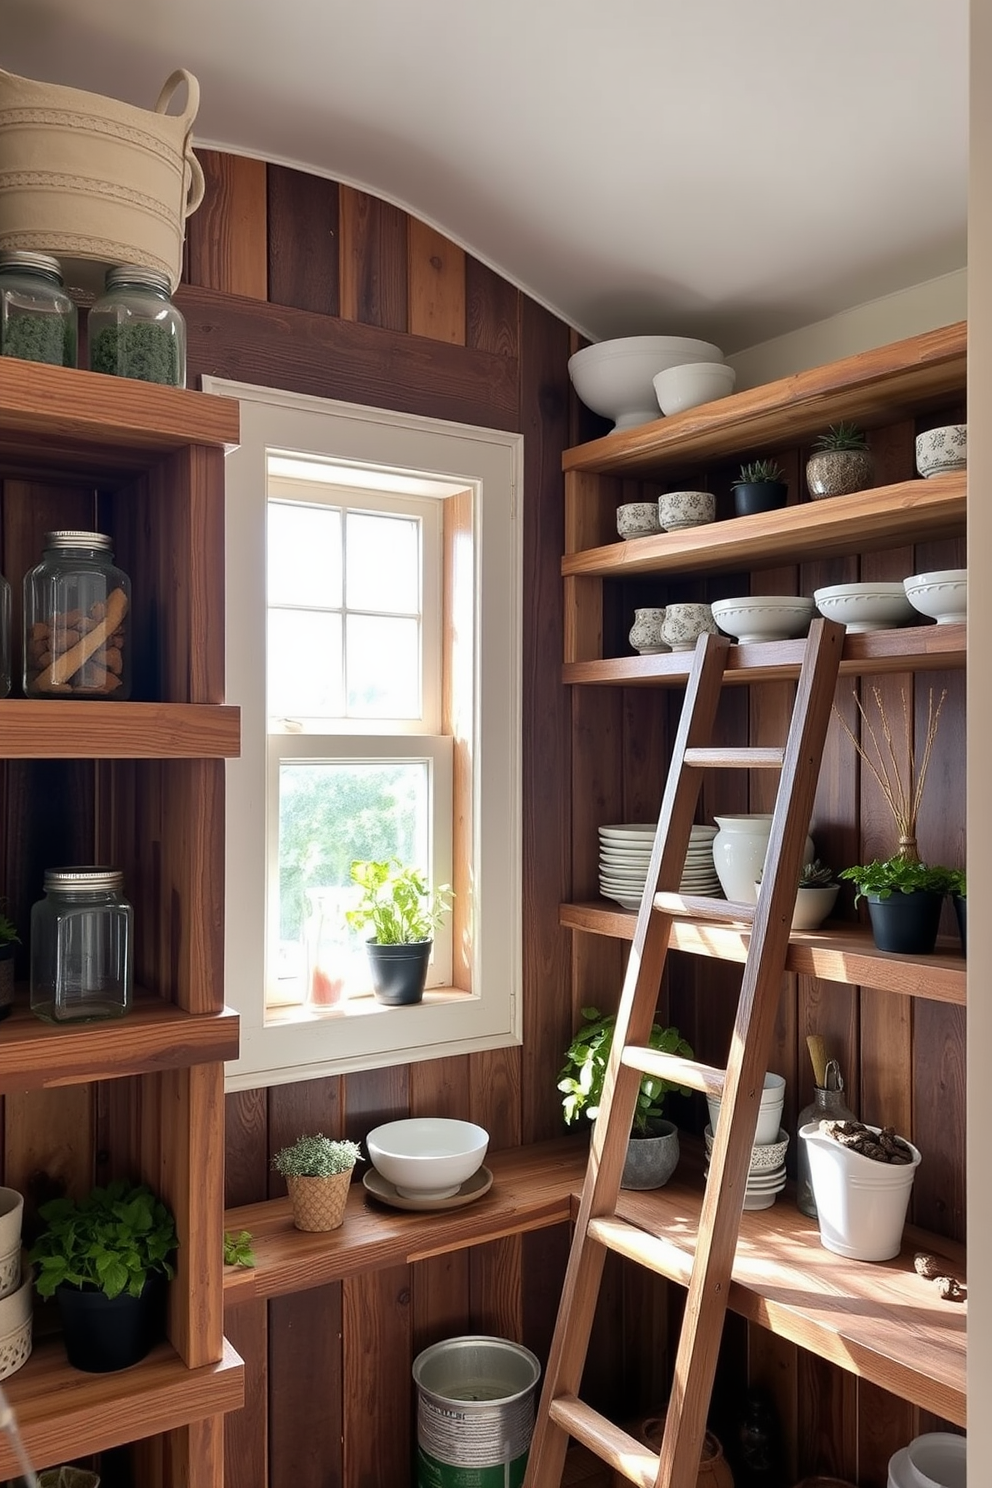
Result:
317,1170
653,1149
106,1259
404,913
760,487
840,462
9,938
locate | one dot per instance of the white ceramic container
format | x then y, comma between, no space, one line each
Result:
771,1105
942,594
646,635
685,623
868,606
938,1459
860,1204
813,905
638,519
764,617
693,383
739,850
940,450
679,509
427,1157
615,378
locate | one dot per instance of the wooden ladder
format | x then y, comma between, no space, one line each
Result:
598,1228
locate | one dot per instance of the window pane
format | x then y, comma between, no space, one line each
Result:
383,563
329,814
383,667
304,664
303,548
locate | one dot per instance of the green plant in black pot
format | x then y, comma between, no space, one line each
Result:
106,1259
840,462
760,487
9,938
959,898
404,912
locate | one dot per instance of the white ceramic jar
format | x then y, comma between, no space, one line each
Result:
646,632
739,849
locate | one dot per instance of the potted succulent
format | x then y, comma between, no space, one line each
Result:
106,1259
653,1149
816,895
317,1170
840,462
404,913
760,487
9,938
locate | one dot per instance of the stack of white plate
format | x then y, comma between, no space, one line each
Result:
766,1178
625,852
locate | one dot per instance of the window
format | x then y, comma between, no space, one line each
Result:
373,646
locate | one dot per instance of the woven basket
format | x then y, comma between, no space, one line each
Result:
319,1203
95,181
15,1328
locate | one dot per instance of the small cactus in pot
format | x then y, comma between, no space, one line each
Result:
840,462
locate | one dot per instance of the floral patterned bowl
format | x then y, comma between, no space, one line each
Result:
684,623
686,509
940,450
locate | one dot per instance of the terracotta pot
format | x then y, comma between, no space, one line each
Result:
319,1203
714,1469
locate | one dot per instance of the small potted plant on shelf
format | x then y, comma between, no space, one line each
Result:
9,938
840,462
106,1259
904,895
653,1149
317,1170
760,487
959,898
404,913
816,895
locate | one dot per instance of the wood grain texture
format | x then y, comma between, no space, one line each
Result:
303,240
373,262
246,1150
492,310
377,1328
436,288
48,1145
226,237
305,1426
295,1110
33,729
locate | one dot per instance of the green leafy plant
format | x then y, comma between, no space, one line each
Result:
897,875
959,883
397,902
8,930
759,471
111,1241
581,1078
842,436
316,1157
237,1249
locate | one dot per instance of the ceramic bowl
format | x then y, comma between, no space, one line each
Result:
943,594
686,386
614,378
764,617
938,1459
865,606
684,623
678,509
427,1157
638,519
769,1111
940,450
765,1156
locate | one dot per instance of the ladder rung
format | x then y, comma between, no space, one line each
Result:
704,908
729,759
688,1072
625,1454
651,1251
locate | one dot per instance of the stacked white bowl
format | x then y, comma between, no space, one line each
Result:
625,852
939,1459
615,378
766,1175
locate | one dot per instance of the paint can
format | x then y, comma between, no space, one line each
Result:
475,1412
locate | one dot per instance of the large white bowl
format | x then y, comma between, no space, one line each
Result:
614,378
943,594
764,617
865,606
692,383
427,1157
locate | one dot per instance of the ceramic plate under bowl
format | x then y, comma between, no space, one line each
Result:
473,1188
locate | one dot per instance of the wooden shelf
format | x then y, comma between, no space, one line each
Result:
875,386
63,1414
153,1035
839,953
912,511
42,729
916,648
61,421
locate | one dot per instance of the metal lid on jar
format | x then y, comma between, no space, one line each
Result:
22,259
83,878
79,540
138,274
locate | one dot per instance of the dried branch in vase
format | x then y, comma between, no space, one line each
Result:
902,791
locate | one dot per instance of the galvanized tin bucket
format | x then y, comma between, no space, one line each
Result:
475,1412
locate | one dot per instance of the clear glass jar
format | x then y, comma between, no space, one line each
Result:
4,637
81,946
37,317
826,1105
77,626
134,329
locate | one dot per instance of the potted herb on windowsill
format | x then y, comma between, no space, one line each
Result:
653,1148
317,1170
760,487
404,913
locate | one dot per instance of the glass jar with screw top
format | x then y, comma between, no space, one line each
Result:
135,330
81,946
77,627
37,317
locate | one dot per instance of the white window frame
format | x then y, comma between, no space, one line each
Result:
487,464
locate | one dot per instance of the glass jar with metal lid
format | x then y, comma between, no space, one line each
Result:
81,946
135,330
77,620
37,317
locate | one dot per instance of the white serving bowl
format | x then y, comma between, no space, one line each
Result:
614,378
940,450
764,617
943,594
692,383
427,1157
865,606
679,509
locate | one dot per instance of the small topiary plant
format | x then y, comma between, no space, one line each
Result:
842,436
758,472
316,1157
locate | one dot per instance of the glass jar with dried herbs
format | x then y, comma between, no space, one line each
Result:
136,331
37,317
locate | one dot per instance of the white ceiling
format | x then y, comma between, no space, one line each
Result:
730,169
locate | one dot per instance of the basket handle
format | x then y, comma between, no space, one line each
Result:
192,95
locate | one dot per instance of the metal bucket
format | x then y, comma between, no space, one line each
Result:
475,1412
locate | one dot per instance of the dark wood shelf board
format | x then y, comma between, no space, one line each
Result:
80,729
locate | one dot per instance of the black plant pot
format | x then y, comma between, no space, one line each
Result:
399,972
759,496
961,910
906,923
106,1333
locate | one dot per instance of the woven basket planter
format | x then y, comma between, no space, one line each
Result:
319,1203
